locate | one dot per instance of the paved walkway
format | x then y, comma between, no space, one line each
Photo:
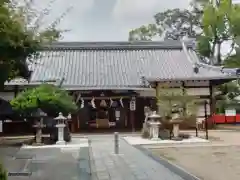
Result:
41,164
130,164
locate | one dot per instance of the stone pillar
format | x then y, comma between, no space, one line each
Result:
60,125
176,123
39,125
175,130
154,130
60,133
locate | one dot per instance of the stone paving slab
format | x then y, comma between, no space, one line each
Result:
45,164
130,164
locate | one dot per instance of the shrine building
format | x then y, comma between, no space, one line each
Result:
112,82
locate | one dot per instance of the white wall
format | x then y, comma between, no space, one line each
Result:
198,91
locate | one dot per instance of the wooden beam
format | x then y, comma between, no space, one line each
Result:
106,97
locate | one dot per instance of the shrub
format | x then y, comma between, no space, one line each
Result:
3,173
49,98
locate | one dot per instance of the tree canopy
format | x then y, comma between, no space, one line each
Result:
220,23
172,24
21,36
49,98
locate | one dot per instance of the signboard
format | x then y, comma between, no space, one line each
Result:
230,112
132,105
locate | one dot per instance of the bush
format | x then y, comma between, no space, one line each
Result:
49,98
3,173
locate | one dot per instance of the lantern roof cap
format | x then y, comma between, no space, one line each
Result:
60,117
154,115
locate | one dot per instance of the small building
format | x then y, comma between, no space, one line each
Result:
112,82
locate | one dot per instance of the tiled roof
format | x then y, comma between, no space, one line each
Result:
116,65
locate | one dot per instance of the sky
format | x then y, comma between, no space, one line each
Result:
105,20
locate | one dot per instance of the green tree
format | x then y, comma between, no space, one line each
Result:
49,98
233,60
220,23
22,34
168,98
172,24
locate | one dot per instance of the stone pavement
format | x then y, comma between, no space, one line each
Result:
130,164
42,164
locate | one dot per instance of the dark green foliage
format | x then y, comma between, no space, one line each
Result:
21,35
233,61
204,46
49,98
222,105
15,46
3,173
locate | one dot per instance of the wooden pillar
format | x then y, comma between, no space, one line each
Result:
212,98
16,90
132,119
73,124
76,118
212,102
132,108
157,98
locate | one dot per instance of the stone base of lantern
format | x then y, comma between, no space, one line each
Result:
37,144
176,123
60,134
154,131
155,139
176,138
61,142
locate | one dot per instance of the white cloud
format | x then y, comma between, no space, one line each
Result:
136,9
72,10
130,14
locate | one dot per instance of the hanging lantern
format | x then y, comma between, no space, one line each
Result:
132,104
117,114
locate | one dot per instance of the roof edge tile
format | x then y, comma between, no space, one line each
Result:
124,45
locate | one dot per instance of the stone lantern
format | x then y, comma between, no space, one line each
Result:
154,125
60,125
176,121
39,114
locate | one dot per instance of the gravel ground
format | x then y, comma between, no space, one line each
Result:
210,162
